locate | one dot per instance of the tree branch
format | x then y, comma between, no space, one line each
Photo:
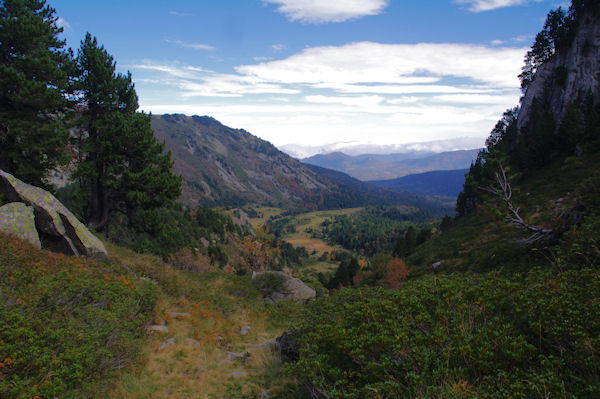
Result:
504,191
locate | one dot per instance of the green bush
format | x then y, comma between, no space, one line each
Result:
67,322
528,336
269,283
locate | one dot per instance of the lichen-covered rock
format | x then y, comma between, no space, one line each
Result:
17,218
65,233
277,286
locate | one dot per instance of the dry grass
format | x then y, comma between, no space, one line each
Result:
197,365
324,267
266,212
213,307
313,220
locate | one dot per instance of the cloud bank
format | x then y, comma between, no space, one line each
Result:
365,91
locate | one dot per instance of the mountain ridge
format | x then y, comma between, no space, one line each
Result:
368,167
437,182
222,166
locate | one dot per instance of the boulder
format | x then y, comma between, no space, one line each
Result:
277,286
17,219
61,230
288,345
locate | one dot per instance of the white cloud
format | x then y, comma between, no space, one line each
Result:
522,38
368,62
181,14
475,98
262,59
200,82
355,101
195,46
63,23
386,93
278,47
487,5
322,11
497,42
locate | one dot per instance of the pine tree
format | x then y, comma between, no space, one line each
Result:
411,240
34,78
123,168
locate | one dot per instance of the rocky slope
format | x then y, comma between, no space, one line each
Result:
571,75
225,166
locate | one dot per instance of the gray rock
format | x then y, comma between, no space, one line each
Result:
17,219
581,63
245,330
242,356
288,344
66,234
163,329
239,374
168,342
290,288
192,342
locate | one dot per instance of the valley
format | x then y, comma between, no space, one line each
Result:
181,257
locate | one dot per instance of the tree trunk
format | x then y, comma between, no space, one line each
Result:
98,207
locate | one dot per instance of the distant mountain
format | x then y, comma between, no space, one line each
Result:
440,182
369,167
300,151
222,166
365,193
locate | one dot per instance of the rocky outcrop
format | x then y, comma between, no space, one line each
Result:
17,219
570,75
58,228
277,286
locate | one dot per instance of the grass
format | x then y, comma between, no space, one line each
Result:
313,220
324,267
266,212
72,327
196,364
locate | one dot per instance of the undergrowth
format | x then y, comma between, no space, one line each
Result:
535,335
67,323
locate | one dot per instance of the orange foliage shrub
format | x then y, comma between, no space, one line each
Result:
396,272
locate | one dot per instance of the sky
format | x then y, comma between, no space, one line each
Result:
316,75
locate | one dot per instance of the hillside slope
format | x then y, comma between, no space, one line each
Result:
438,182
224,166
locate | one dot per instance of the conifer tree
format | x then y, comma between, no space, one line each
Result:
123,168
34,78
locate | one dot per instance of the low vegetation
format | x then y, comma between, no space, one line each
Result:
68,324
533,335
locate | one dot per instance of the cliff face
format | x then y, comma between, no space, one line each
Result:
570,75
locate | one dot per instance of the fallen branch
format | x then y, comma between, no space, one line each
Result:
504,190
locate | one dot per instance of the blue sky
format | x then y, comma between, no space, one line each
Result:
316,75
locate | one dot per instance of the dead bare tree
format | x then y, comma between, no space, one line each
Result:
504,191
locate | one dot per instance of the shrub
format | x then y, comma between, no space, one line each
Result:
67,322
269,283
460,335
